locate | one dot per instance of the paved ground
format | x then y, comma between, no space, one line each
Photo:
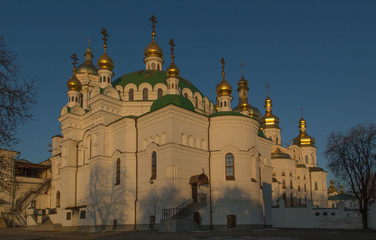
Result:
268,234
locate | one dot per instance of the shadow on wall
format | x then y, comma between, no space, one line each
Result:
244,204
107,199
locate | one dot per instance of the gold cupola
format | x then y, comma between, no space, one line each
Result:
87,66
172,70
105,62
303,139
269,120
332,189
244,105
153,50
223,88
73,83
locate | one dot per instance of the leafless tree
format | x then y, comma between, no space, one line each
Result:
17,96
352,159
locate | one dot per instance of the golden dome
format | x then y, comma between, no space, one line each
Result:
223,88
105,62
303,139
87,66
153,50
173,70
269,120
74,84
332,188
277,154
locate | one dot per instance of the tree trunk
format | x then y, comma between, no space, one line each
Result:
364,217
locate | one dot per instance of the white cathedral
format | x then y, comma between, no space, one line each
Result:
149,150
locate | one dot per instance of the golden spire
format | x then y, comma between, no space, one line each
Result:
223,88
269,120
243,97
75,59
105,62
153,50
303,139
172,70
154,21
73,83
105,39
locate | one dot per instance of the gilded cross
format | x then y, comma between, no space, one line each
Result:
75,59
267,89
172,44
88,42
242,65
105,35
223,66
154,21
301,110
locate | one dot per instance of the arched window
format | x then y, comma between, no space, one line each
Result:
220,104
131,95
153,165
196,102
306,159
316,186
145,94
283,173
153,66
283,184
224,103
58,199
160,92
117,172
276,140
305,187
298,188
186,95
230,170
291,186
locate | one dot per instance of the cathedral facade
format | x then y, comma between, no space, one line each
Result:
149,150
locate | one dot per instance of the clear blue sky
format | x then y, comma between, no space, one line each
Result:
318,54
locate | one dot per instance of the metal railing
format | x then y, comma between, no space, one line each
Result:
186,209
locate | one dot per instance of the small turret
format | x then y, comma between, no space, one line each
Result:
74,86
172,73
224,91
105,64
153,53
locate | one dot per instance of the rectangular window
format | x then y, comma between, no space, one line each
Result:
69,215
82,214
229,162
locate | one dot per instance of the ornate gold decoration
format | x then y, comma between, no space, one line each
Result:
105,62
243,97
303,139
153,50
172,70
269,120
223,88
73,83
87,66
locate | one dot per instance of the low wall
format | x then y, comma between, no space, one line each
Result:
309,217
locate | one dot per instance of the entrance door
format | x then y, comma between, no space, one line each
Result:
194,192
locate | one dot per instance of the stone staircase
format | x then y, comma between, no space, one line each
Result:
182,218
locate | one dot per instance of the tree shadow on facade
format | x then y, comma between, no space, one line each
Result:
107,199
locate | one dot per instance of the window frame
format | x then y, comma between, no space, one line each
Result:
230,166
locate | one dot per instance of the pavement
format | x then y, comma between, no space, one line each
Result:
264,234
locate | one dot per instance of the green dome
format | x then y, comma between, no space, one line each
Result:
174,99
152,77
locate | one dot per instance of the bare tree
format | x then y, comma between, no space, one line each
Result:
17,96
352,159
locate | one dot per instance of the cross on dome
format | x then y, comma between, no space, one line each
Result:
75,59
154,21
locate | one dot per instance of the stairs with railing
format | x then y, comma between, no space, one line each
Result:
186,209
16,213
